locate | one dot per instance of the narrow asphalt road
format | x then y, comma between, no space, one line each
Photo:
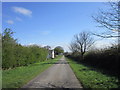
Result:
60,75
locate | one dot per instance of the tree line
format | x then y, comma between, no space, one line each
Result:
15,54
107,58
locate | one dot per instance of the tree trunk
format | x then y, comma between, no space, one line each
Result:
82,54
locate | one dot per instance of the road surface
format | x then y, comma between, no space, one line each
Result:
60,75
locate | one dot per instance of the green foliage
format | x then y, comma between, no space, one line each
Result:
58,50
0,50
8,44
92,78
14,54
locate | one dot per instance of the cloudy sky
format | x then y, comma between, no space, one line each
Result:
50,23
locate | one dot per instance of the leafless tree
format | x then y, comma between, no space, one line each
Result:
82,42
109,19
73,47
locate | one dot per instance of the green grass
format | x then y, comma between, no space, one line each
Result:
19,76
90,78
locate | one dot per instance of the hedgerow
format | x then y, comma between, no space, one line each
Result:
15,54
106,59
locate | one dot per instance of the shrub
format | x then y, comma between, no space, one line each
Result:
14,54
106,59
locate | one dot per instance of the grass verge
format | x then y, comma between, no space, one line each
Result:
16,78
90,78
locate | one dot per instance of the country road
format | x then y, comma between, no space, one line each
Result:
59,75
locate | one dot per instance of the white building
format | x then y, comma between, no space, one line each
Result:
51,54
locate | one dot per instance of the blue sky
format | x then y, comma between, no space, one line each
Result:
49,23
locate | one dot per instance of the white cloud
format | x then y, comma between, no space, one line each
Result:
45,32
10,21
22,10
65,46
102,44
18,19
31,43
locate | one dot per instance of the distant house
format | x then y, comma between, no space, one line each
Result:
51,54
